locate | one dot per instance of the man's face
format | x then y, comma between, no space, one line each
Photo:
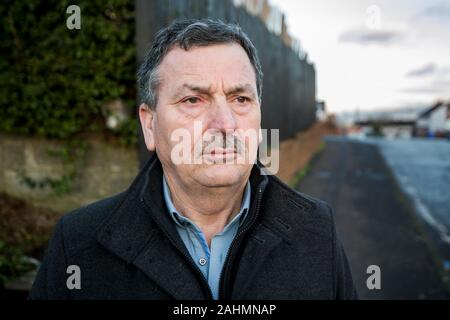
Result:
209,92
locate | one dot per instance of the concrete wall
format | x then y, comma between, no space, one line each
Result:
104,170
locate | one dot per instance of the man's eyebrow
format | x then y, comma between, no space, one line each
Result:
191,87
240,88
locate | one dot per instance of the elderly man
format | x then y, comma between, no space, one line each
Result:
207,222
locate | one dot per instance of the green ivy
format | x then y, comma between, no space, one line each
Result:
13,263
53,81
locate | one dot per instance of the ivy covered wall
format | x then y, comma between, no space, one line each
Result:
54,81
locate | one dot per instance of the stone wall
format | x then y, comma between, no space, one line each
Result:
103,170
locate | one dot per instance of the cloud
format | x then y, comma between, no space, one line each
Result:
364,36
439,13
441,86
425,70
429,69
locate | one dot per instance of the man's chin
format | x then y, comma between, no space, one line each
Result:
221,175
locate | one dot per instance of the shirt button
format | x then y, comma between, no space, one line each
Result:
202,261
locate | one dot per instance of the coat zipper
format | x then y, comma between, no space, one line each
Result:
224,274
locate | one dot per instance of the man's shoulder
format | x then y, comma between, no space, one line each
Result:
298,204
79,226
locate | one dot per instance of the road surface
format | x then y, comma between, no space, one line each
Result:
374,221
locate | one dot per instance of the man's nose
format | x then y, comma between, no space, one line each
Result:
221,116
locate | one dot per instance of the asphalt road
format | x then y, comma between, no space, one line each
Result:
374,221
422,166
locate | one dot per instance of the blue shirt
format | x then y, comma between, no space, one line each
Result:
209,261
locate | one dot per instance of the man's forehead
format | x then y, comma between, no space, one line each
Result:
198,61
212,50
208,88
211,68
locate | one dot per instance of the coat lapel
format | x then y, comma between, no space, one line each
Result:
258,247
134,232
161,263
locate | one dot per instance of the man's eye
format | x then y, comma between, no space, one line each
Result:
192,100
242,99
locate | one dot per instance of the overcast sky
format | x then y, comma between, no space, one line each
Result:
374,54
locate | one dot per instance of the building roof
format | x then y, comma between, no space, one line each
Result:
427,112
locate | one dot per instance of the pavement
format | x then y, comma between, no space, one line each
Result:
375,220
422,168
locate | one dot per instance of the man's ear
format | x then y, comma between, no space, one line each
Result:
146,115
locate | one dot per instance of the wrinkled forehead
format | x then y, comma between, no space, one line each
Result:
207,66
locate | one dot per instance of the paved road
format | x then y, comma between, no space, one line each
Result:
422,166
374,221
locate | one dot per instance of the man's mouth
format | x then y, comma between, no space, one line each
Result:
220,154
221,151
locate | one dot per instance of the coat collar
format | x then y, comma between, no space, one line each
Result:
133,232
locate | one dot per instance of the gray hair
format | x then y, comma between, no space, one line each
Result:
186,34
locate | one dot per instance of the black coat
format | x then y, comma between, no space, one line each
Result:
127,247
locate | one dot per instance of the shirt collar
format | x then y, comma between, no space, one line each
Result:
183,221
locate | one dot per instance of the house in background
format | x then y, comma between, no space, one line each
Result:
434,121
388,128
